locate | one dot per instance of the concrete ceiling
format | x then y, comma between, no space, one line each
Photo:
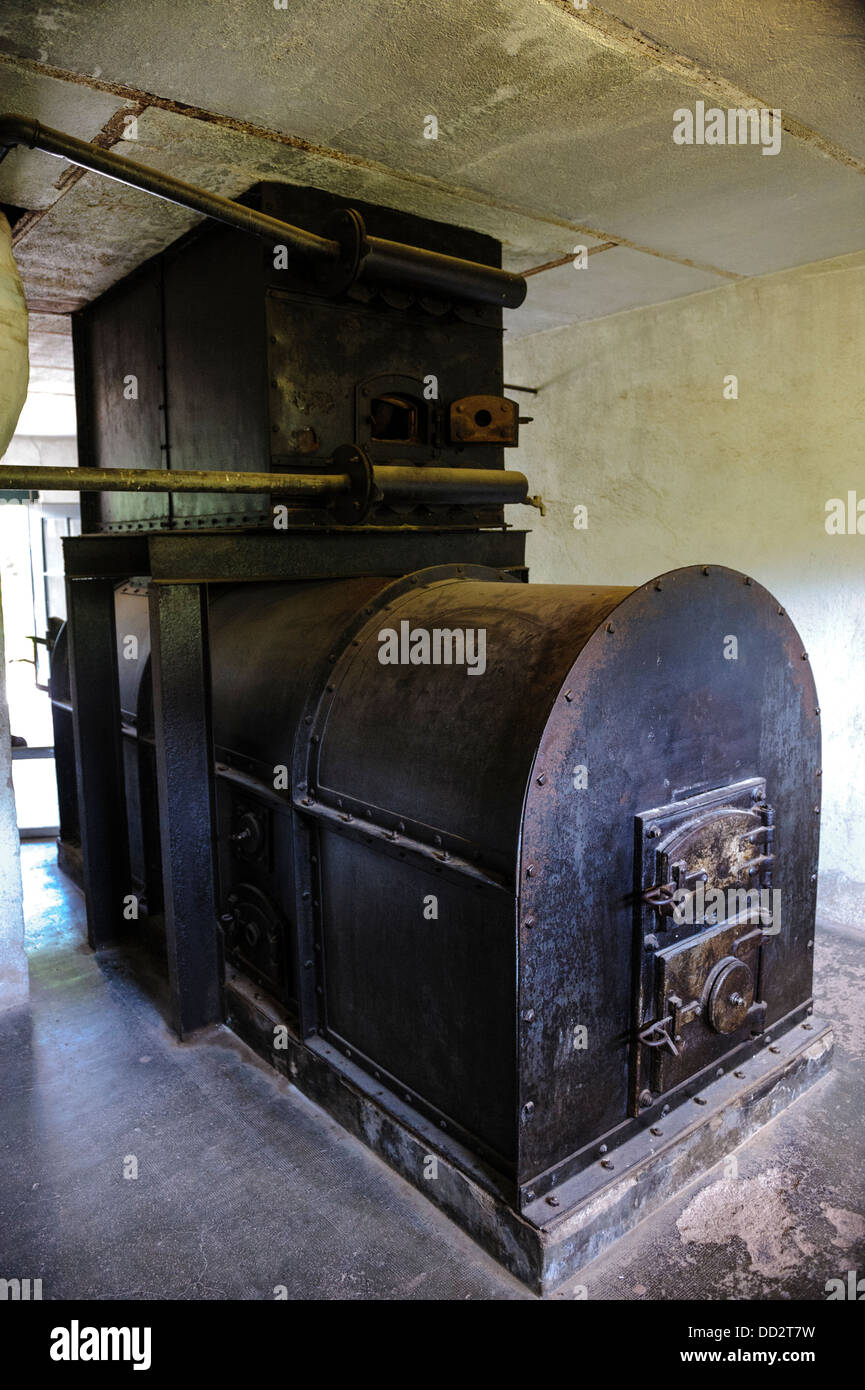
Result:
555,128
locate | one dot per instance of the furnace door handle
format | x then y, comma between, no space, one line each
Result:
656,1035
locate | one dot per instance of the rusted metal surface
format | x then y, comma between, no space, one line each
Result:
484,419
715,843
292,378
655,714
550,805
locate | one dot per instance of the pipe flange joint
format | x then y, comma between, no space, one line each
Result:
346,227
354,506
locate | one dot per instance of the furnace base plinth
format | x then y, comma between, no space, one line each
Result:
545,1245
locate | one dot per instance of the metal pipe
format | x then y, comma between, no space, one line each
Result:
383,483
19,130
321,487
447,276
456,486
375,258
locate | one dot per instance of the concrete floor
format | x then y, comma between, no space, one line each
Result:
244,1187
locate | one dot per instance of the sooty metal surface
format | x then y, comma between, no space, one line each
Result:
459,818
454,876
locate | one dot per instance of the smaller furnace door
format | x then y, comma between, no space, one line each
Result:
705,904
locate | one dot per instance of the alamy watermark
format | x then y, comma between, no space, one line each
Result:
845,518
437,646
703,906
77,1343
738,125
20,1290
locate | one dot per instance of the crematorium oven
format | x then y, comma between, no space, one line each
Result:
517,880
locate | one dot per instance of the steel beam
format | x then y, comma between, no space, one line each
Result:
264,553
184,771
98,755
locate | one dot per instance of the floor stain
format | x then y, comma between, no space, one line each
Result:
849,1225
755,1211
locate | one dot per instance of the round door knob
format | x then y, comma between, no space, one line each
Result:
729,995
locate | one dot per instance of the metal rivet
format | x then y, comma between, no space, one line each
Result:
529,923
699,1100
528,1109
530,871
804,656
610,627
569,696
606,1163
552,1201
528,1015
602,1149
774,1049
541,779
739,1074
657,1132
645,1098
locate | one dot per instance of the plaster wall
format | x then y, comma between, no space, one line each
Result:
632,422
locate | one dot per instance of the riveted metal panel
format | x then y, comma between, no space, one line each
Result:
120,396
215,372
655,713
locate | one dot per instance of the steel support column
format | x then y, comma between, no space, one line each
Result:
184,767
98,755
